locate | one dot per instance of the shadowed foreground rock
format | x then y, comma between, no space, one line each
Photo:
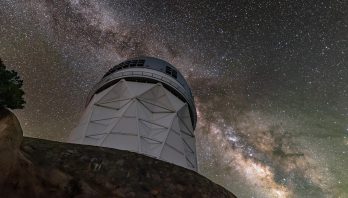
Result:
41,168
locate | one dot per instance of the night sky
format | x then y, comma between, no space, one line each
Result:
270,79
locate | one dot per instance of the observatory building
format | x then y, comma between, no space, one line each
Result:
142,105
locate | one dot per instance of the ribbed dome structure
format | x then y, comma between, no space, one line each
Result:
142,105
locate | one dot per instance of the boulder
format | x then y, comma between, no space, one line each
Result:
11,136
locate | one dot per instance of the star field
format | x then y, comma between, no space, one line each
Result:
270,79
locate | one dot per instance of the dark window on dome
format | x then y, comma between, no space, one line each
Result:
168,70
133,63
140,63
172,72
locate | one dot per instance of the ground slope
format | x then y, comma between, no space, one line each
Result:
41,168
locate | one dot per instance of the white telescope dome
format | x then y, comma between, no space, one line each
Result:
142,105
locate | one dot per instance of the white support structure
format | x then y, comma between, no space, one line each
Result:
141,117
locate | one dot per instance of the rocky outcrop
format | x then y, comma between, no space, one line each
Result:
11,136
41,168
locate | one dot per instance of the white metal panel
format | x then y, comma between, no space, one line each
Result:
137,90
94,140
154,108
126,125
99,113
120,141
150,147
172,155
176,102
115,104
164,119
158,97
175,141
119,91
94,129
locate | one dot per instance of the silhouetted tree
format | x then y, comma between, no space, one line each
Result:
11,93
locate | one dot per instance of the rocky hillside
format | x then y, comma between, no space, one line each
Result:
40,168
